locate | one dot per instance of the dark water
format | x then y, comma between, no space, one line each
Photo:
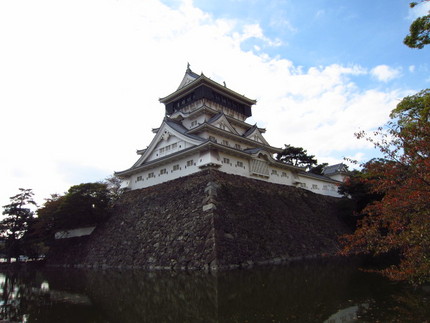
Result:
330,291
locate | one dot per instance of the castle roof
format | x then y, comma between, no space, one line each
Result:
194,87
335,169
189,77
191,80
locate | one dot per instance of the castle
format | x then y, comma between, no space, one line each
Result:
205,127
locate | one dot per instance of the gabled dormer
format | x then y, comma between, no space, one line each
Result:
221,121
169,139
337,172
255,133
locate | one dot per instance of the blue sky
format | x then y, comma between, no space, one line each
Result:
80,80
324,32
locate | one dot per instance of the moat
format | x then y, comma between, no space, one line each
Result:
308,291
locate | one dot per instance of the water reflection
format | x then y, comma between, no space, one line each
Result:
332,291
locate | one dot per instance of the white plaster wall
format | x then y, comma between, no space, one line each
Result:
180,145
280,176
322,187
338,177
170,174
232,167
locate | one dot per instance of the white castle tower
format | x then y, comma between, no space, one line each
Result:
205,126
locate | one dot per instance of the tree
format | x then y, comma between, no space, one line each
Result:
114,186
83,205
357,187
296,156
40,233
412,109
15,224
318,169
400,221
419,31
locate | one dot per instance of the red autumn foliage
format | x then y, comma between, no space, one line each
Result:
400,221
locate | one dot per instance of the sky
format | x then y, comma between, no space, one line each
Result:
80,80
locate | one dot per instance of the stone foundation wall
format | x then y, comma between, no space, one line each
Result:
209,220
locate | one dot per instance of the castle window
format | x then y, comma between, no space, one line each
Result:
274,172
174,145
237,146
167,148
226,161
194,123
163,171
239,164
162,150
139,178
284,174
212,138
175,167
151,175
190,163
314,186
225,142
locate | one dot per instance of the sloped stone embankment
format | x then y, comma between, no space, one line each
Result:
209,220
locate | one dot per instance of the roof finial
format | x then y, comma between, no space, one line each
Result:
225,85
188,66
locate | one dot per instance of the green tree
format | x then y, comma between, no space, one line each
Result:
83,205
40,233
18,215
419,31
413,108
296,156
318,169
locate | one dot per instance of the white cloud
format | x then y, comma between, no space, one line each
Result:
385,73
412,68
80,82
419,10
250,31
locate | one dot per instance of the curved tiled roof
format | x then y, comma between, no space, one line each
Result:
181,129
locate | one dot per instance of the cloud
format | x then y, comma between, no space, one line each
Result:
81,80
419,10
385,73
